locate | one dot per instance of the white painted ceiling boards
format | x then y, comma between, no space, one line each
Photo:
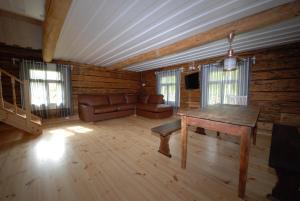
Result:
104,32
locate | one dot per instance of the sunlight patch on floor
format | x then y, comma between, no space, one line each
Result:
80,129
52,149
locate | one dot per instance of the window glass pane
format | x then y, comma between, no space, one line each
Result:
37,74
39,98
55,93
44,75
215,76
171,95
214,94
53,75
168,79
164,91
230,90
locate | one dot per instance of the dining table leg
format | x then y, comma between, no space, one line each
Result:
244,160
184,133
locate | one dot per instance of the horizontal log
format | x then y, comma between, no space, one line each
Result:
89,84
279,96
291,119
102,79
265,125
275,74
275,85
93,71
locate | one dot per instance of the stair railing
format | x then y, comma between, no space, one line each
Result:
25,84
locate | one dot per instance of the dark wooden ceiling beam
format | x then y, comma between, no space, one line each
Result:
55,14
249,23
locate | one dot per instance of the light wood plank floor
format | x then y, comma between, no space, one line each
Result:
118,160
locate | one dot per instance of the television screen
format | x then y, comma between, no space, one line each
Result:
192,81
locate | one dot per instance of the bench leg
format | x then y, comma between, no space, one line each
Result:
164,146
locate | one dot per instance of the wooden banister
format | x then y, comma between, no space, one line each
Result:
11,76
13,87
1,92
27,101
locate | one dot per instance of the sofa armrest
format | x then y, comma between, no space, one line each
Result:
85,112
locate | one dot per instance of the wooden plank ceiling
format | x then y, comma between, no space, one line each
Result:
102,32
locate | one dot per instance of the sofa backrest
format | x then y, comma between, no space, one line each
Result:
115,99
93,100
131,98
156,99
143,99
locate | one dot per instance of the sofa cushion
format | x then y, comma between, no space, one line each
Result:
143,99
156,99
117,99
104,109
93,100
154,107
131,98
126,107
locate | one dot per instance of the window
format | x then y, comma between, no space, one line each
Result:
219,88
167,87
50,88
168,84
49,84
225,87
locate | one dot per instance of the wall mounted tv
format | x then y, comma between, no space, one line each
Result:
192,81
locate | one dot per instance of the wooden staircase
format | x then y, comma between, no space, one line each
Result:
12,114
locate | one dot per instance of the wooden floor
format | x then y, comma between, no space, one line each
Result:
118,160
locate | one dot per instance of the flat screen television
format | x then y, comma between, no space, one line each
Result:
192,81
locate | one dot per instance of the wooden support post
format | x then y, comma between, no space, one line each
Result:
184,133
1,93
27,101
13,86
244,160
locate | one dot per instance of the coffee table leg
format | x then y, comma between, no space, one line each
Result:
244,160
184,133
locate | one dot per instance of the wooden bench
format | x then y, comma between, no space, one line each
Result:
165,132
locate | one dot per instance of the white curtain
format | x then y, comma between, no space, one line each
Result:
50,87
225,87
168,84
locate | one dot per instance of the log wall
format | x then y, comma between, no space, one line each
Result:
93,80
274,85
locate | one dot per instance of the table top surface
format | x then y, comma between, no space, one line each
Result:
233,114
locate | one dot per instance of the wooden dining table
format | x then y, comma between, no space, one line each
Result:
230,119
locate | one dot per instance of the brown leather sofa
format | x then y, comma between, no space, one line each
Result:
101,107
